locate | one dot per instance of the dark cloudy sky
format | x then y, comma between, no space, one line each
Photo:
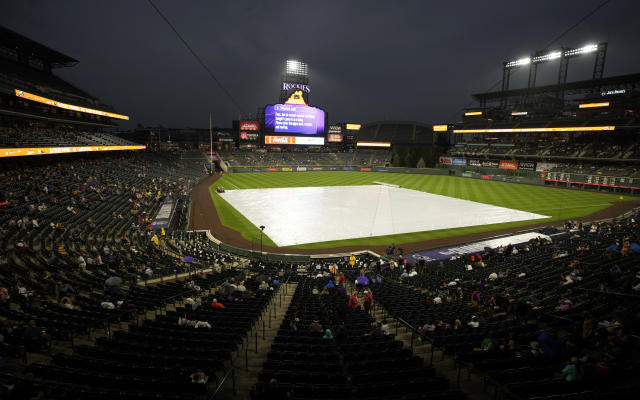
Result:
368,60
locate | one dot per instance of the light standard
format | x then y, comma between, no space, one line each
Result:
261,231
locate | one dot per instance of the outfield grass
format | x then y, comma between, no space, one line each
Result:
559,204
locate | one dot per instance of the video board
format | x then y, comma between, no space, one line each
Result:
294,119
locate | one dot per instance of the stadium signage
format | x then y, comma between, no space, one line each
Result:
301,169
490,164
54,103
354,127
293,86
335,129
365,169
612,92
472,113
445,160
535,130
475,163
544,166
248,136
458,161
294,140
334,137
373,144
287,169
486,177
508,164
317,168
272,169
249,125
527,165
39,151
440,128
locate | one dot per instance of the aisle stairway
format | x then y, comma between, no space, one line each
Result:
248,360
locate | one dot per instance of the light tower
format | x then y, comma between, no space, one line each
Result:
294,78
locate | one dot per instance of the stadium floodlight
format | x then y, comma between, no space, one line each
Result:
536,130
516,113
517,63
296,67
472,113
582,50
546,57
594,105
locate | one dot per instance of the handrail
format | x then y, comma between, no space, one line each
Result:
223,380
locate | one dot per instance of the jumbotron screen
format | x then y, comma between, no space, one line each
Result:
294,118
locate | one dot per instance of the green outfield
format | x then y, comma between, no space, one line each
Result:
560,204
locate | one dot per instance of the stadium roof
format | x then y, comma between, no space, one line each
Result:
570,87
14,40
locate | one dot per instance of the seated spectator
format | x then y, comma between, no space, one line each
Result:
315,326
474,323
216,304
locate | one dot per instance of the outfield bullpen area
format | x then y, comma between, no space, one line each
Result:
305,212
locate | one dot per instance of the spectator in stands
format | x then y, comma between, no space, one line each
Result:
368,301
36,337
216,304
572,371
353,301
315,326
474,323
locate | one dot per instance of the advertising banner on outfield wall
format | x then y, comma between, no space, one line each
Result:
475,163
272,169
545,166
445,160
287,169
301,169
347,168
365,169
318,168
490,164
459,161
527,165
508,164
486,177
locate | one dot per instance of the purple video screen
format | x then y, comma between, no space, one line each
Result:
294,118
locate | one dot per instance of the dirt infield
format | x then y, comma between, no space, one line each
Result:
204,216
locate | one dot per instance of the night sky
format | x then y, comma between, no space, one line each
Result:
368,60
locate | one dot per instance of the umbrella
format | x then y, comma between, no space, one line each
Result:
363,280
187,259
613,247
114,281
635,247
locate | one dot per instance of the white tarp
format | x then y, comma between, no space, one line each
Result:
318,214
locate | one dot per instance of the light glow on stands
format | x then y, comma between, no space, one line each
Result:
43,151
535,130
582,50
471,113
593,105
373,144
440,128
519,113
54,103
354,127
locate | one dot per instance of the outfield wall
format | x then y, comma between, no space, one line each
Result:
531,180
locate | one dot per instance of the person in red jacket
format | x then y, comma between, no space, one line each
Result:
216,304
368,301
341,279
353,301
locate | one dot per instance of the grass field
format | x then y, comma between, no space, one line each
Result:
560,204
